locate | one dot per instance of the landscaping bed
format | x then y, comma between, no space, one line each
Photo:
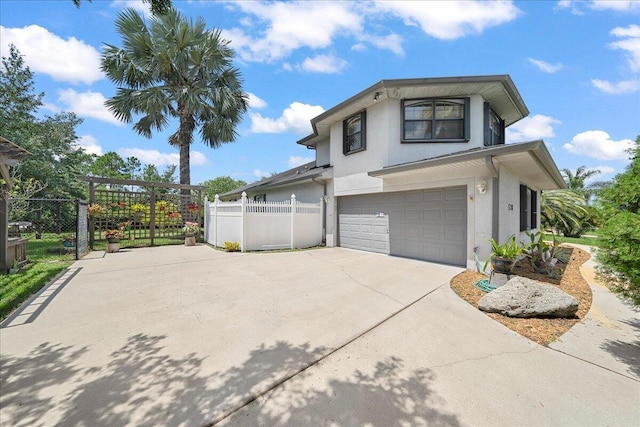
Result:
541,330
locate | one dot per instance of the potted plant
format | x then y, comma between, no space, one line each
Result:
113,235
504,256
95,210
190,230
69,241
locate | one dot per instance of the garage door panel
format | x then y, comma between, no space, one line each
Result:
455,194
432,196
432,214
456,215
424,224
413,196
363,231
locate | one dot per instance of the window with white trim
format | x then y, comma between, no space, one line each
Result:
435,120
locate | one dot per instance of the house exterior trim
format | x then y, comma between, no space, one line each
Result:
537,149
394,88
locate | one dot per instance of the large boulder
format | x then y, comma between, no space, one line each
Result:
522,297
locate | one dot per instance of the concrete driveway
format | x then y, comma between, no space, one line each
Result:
193,336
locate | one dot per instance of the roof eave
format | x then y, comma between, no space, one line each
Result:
504,79
536,148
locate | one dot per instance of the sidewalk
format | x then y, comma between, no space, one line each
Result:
609,336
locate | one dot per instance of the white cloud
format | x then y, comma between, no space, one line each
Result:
604,171
260,173
255,101
626,86
295,118
138,5
631,44
155,157
290,26
89,144
69,60
391,42
630,31
448,20
544,66
532,128
599,145
571,5
51,107
298,161
358,47
616,5
575,6
87,104
326,64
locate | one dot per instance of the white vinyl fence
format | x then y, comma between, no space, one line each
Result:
264,225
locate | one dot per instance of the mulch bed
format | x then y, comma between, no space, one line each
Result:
541,330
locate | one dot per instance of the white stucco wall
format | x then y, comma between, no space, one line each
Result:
398,153
509,206
308,192
323,154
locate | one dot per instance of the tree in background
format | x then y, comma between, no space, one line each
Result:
57,160
150,173
619,251
158,7
111,165
577,221
562,209
221,185
175,68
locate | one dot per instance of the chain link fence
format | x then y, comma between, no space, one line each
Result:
62,222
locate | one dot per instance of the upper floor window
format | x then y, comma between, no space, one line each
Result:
435,120
354,133
493,127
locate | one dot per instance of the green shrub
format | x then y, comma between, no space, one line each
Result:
619,252
231,246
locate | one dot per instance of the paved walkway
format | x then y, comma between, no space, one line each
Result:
190,336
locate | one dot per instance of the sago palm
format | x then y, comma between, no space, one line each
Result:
174,68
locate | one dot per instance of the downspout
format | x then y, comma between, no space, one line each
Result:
495,217
324,217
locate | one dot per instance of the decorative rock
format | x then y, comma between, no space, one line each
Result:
522,297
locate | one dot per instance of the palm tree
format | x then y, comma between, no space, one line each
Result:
563,209
175,68
576,181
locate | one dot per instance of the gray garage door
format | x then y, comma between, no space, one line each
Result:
426,224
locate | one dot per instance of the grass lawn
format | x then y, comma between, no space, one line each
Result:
589,241
43,266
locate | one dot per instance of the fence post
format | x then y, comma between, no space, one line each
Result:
216,200
152,215
206,219
242,221
293,221
323,230
92,223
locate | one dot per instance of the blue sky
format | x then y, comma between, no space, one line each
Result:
575,63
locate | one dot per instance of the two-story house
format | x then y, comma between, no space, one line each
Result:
419,168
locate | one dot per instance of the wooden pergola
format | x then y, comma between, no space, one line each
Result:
10,155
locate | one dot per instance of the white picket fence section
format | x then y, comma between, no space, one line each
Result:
264,225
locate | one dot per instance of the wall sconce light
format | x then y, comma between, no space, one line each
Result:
326,199
481,186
